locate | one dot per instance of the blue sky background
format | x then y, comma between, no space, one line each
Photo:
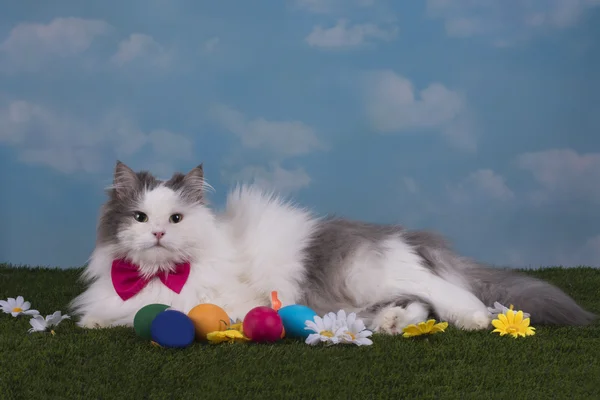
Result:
480,120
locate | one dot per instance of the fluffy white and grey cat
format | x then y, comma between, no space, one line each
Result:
389,276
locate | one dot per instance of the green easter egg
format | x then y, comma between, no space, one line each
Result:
144,317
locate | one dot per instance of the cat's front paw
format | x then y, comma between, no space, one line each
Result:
477,321
393,320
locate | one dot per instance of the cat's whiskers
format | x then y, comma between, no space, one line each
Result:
208,187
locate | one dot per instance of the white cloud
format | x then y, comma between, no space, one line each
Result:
68,144
345,35
282,138
30,45
273,178
505,21
168,144
139,46
393,106
481,184
563,174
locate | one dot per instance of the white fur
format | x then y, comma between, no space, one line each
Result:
254,247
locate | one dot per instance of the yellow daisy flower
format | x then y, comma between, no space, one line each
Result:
234,334
512,323
424,328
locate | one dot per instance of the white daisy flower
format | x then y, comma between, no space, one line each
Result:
338,320
324,329
354,329
17,307
501,309
41,324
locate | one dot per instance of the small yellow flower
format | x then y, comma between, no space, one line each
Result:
230,336
513,323
238,326
424,328
234,334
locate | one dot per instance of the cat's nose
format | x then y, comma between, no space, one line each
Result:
158,235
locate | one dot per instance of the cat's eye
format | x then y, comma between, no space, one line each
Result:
175,218
140,216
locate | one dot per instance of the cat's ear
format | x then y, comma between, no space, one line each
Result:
193,183
196,173
125,181
191,186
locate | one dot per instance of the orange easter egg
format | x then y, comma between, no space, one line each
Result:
208,318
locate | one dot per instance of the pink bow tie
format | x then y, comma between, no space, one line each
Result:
128,281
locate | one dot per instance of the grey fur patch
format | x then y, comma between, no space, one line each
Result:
123,199
189,186
336,240
547,304
126,193
334,243
423,243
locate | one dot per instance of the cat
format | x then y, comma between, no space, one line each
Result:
389,276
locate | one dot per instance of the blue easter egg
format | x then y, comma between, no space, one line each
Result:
294,318
172,328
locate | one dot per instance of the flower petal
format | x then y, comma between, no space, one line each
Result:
363,342
440,327
26,306
311,326
4,303
503,319
358,326
350,319
429,325
498,324
510,317
20,301
411,330
364,334
38,323
31,312
313,339
319,323
328,322
422,326
518,317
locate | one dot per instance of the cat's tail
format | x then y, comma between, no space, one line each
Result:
547,304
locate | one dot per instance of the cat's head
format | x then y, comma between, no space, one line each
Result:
155,223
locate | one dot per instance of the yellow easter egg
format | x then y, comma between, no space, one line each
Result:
208,318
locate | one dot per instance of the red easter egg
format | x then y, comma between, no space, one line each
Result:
263,324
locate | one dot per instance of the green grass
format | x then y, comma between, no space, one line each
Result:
115,364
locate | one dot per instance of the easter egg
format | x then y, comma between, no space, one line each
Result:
144,317
208,318
172,328
294,318
263,324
